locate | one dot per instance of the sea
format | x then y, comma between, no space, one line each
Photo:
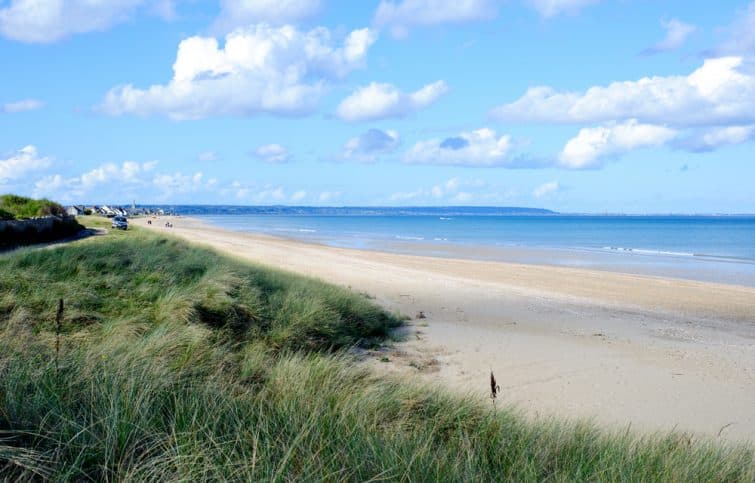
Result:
713,248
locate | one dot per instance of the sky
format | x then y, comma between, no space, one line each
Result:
631,106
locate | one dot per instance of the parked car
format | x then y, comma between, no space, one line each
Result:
120,223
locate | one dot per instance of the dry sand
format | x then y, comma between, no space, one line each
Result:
616,348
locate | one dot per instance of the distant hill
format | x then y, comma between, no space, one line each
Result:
353,210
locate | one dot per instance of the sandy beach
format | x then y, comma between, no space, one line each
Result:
617,348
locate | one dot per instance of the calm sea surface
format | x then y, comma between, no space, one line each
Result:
712,248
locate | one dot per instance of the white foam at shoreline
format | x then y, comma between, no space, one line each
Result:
645,251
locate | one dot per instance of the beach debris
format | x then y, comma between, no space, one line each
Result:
420,315
494,387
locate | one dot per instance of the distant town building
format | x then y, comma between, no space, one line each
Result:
75,210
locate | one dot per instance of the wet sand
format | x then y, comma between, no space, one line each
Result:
617,348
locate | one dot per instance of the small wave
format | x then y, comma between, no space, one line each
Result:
440,239
445,218
296,230
399,237
644,251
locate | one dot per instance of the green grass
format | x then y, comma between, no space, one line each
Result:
177,363
19,207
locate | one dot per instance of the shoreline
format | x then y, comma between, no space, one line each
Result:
622,349
701,267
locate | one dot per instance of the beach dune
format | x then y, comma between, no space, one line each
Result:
620,349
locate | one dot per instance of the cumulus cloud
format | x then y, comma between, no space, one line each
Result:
716,138
676,34
22,106
271,194
277,70
272,153
480,148
56,186
127,172
237,13
454,190
720,92
594,144
298,195
546,189
44,21
384,101
398,16
740,35
328,196
368,146
551,8
24,161
127,180
178,183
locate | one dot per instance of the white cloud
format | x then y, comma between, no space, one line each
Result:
111,182
272,153
208,156
406,195
44,21
400,15
462,197
546,189
22,106
328,196
237,13
21,163
383,101
275,194
278,70
741,34
368,146
179,183
55,186
593,144
676,34
127,172
551,8
452,190
480,148
449,187
720,92
298,195
717,137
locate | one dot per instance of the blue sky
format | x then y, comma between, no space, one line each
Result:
575,105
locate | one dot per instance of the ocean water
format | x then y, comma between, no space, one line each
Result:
711,248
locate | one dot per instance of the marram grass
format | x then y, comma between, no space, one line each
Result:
179,364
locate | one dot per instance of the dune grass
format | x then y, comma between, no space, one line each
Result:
20,207
177,363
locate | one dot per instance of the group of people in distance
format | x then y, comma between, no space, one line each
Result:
167,224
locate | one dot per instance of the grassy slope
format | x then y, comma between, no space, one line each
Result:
177,363
14,206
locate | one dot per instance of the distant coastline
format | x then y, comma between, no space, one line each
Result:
205,209
353,210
